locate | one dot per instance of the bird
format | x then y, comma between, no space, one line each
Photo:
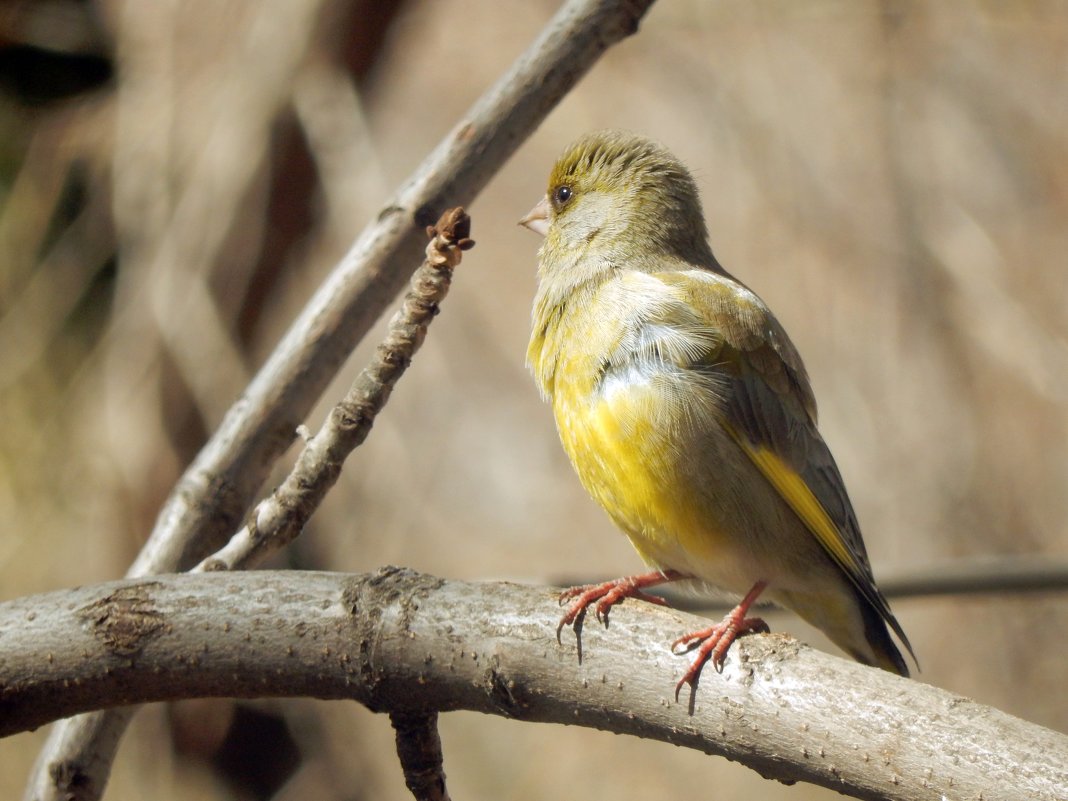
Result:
687,412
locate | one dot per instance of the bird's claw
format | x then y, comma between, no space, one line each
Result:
712,645
602,597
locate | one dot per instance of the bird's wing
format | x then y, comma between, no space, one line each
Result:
771,414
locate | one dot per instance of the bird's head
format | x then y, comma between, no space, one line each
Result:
614,196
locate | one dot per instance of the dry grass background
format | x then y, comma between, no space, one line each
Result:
890,176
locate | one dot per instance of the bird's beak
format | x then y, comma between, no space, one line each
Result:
537,220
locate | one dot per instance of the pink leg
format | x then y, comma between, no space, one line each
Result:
713,643
609,594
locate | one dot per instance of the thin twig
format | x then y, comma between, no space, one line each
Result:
279,518
979,576
214,494
419,751
965,576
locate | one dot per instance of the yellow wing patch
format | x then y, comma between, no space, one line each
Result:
797,494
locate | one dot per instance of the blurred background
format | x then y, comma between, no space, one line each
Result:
177,176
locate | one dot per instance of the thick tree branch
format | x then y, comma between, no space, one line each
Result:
412,644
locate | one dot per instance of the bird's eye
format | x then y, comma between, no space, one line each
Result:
562,195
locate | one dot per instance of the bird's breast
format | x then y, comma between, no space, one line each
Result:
639,437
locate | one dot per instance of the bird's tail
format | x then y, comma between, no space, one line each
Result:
854,624
882,651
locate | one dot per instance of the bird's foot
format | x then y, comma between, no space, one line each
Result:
606,595
713,643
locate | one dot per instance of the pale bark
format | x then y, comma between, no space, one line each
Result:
409,644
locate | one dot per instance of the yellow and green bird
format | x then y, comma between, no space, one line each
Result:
686,409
